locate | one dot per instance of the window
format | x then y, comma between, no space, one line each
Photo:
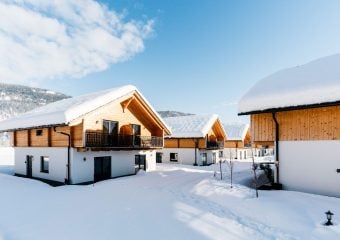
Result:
44,164
39,132
220,154
135,129
174,157
204,159
110,127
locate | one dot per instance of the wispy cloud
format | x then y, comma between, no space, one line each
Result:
42,39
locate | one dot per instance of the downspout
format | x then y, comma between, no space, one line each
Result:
196,145
277,138
68,179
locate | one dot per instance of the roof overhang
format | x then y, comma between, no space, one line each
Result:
291,108
35,127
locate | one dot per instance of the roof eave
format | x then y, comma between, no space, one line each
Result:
34,127
291,108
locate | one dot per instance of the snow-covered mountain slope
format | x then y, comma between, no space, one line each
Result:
17,99
165,114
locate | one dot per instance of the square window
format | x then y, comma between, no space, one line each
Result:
39,132
174,157
44,164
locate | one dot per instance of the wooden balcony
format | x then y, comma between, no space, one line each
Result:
95,139
215,145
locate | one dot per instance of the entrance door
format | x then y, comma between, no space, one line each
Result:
159,157
213,157
102,168
140,162
29,160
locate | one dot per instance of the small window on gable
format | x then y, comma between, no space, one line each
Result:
39,132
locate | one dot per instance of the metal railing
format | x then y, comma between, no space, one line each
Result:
106,140
215,144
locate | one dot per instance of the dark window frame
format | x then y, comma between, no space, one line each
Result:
42,165
174,158
110,127
39,132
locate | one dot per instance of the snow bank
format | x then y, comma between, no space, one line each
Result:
312,83
174,202
193,126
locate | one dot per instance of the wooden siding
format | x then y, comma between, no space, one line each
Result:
298,125
130,109
49,138
233,144
184,143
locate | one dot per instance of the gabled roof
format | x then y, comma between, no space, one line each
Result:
314,84
63,112
236,131
193,126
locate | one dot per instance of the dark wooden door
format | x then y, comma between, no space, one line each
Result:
102,168
29,160
140,162
159,157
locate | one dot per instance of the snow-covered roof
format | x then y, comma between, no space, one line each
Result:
316,82
193,126
236,131
67,110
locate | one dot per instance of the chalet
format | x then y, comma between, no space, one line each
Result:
238,140
87,138
195,140
298,109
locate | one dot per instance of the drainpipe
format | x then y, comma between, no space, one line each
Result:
68,179
196,145
277,138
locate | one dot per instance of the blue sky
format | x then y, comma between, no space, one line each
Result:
204,55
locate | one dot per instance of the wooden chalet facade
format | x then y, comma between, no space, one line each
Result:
237,142
301,118
196,140
100,136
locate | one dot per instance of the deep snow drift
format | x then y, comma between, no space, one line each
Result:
174,202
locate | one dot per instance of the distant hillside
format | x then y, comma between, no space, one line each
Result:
166,114
17,99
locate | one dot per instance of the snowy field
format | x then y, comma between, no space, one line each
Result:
174,202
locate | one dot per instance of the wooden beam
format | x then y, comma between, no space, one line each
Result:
126,103
49,137
14,138
28,137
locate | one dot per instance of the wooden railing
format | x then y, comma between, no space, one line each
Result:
97,139
215,144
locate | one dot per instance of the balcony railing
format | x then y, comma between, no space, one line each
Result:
96,139
215,145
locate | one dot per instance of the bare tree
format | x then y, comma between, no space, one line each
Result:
231,168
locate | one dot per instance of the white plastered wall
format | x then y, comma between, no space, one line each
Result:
310,166
122,163
187,155
57,163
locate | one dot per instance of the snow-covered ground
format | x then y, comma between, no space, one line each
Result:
174,202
